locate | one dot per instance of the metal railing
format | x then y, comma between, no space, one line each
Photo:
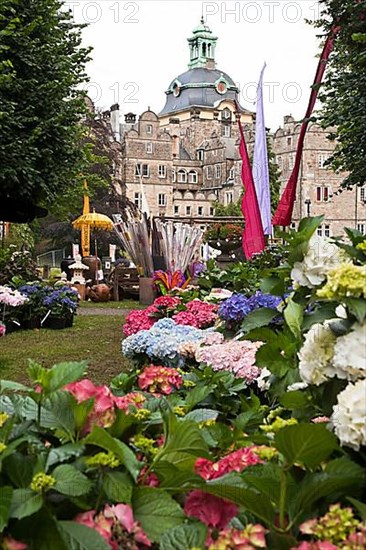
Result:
51,258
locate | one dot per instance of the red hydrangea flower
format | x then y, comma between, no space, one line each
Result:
211,510
198,314
167,302
160,379
233,462
138,320
133,398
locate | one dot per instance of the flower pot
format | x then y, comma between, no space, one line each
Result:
55,323
226,246
147,291
69,321
32,323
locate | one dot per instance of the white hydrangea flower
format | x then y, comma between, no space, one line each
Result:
349,359
316,355
297,386
322,255
349,415
262,381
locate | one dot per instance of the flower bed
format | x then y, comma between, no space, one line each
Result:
211,442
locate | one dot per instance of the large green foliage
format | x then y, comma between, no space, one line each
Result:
42,64
344,89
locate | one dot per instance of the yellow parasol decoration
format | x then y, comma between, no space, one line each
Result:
88,221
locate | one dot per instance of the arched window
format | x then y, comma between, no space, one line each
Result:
209,50
204,49
192,177
182,176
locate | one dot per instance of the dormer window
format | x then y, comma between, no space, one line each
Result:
226,114
149,129
200,154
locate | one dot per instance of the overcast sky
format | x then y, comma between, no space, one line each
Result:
141,46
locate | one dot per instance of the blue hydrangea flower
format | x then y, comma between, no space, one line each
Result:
237,307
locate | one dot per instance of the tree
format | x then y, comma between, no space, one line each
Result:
42,66
343,93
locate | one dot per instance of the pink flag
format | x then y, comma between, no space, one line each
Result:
285,207
253,236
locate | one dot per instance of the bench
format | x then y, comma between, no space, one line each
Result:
126,281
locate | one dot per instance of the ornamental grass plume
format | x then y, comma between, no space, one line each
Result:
158,379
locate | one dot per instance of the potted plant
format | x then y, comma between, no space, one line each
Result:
61,304
33,310
224,236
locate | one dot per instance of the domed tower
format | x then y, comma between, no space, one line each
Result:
203,89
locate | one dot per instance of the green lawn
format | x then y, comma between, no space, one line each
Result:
125,304
96,339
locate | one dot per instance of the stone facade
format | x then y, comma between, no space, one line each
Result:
178,162
318,189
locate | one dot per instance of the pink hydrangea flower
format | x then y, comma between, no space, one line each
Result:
233,462
2,329
160,379
198,314
211,510
167,302
116,525
9,543
138,320
250,538
237,357
133,398
318,545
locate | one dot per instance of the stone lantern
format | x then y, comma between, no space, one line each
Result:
77,269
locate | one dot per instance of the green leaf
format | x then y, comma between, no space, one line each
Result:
102,439
65,373
19,469
63,453
156,510
323,311
202,415
273,285
294,400
184,444
294,314
71,482
196,395
25,503
258,318
184,537
6,494
80,537
6,385
266,479
233,488
308,444
118,487
360,507
357,306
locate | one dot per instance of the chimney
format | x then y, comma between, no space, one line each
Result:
175,148
115,122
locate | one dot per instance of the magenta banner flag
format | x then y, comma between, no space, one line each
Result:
253,236
260,168
283,214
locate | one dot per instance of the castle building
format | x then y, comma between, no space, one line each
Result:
318,188
186,157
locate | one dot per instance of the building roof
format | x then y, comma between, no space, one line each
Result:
198,88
